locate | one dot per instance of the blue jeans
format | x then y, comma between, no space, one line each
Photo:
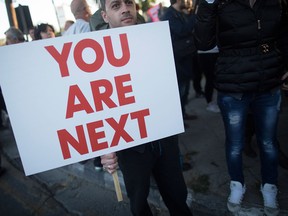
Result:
265,110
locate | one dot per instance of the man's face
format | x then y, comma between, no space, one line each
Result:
186,4
120,13
49,33
86,12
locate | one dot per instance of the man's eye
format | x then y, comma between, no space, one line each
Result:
115,6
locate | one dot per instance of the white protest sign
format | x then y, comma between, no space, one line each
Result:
77,97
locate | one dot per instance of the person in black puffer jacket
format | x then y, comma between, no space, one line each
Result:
253,49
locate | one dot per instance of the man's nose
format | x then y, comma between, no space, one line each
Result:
125,8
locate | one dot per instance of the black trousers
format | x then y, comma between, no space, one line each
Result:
207,62
160,159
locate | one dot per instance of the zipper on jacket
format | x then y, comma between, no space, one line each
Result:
259,24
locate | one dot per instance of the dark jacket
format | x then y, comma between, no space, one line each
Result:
181,28
248,38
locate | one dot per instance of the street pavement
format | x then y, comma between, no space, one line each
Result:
78,189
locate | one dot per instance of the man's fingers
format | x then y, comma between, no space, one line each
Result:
110,168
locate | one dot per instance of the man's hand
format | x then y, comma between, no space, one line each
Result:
110,162
285,84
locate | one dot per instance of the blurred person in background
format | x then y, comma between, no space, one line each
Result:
44,31
68,23
81,11
32,33
14,36
207,62
181,19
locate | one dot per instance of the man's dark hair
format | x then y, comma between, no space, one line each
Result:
173,2
15,34
102,5
42,28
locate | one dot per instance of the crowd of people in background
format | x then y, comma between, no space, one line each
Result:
213,54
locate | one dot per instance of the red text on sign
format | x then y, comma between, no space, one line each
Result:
100,97
62,57
96,133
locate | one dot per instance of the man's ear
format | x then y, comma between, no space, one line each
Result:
104,16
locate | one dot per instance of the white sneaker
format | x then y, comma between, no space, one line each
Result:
269,193
237,192
212,107
98,168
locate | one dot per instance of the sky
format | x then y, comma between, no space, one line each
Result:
42,11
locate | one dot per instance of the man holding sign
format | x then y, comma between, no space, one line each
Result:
159,158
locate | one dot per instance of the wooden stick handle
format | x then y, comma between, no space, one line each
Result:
117,187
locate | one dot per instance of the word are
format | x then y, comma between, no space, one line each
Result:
102,90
